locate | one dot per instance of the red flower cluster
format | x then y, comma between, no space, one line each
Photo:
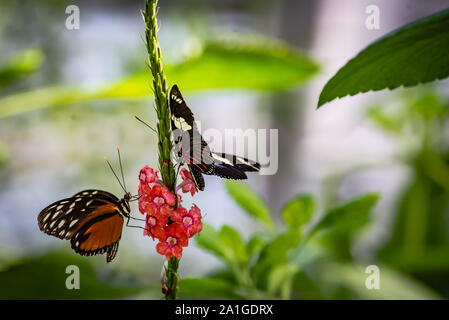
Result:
171,227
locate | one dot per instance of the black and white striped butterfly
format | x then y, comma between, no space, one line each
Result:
195,152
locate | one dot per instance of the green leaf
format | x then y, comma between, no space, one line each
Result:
273,254
44,277
246,63
305,288
348,215
21,65
208,288
250,202
416,53
280,280
208,239
297,212
233,243
255,244
262,64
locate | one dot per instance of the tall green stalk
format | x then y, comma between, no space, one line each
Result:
163,128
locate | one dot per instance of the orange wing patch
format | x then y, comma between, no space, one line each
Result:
103,233
100,232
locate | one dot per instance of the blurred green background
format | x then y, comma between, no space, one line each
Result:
362,181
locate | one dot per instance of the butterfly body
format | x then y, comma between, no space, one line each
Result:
196,152
92,220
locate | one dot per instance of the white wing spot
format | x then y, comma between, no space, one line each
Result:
88,203
180,123
73,222
61,223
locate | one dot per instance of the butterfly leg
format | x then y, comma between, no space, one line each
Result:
128,225
135,219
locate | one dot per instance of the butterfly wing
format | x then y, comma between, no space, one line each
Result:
195,152
198,178
240,163
226,171
91,219
100,233
181,115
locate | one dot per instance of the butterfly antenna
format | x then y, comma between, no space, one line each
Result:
146,124
177,171
107,161
121,168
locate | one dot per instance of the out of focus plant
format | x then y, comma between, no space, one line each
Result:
21,65
307,256
4,154
260,64
419,242
44,277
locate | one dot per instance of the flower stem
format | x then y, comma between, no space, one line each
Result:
171,278
163,128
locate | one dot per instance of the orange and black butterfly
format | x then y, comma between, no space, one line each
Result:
92,220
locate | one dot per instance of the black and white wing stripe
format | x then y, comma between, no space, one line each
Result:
233,167
239,162
181,115
195,152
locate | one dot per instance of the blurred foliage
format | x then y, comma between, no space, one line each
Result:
260,64
250,202
21,65
44,277
306,258
419,242
416,53
4,154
